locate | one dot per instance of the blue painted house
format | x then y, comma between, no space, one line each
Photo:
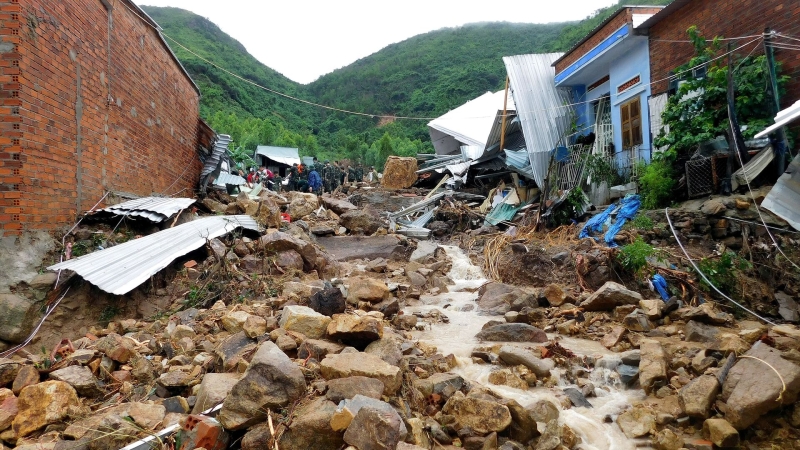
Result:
609,73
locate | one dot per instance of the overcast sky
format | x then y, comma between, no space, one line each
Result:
304,39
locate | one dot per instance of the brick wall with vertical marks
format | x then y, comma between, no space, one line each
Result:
726,19
90,101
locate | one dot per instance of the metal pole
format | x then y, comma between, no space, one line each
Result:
503,123
778,138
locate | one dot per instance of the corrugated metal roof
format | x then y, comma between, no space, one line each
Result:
785,116
120,269
156,209
540,107
283,155
226,178
784,198
472,122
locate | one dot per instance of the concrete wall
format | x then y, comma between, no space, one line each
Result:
636,61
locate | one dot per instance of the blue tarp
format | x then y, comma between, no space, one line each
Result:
626,209
661,286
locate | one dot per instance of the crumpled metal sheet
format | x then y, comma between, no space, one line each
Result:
156,209
119,269
784,198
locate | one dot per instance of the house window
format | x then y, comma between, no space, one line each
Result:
631,113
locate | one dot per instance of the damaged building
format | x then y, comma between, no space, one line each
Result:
93,102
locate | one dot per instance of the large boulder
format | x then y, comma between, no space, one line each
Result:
362,364
512,332
652,365
609,296
19,317
304,320
301,205
213,390
752,387
361,221
278,241
515,356
44,404
375,429
337,205
499,298
482,415
697,397
311,429
271,380
266,212
365,289
346,248
399,172
355,331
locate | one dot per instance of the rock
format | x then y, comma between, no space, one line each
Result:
523,424
504,377
234,321
213,390
627,374
370,366
787,307
9,407
514,356
19,316
176,404
637,321
416,279
328,301
8,371
439,383
388,307
44,404
182,331
387,349
231,351
26,376
322,230
498,298
721,433
257,437
80,378
301,205
361,221
697,397
310,428
271,380
512,332
713,207
355,331
374,429
481,415
666,439
254,326
652,366
653,309
609,296
399,173
346,248
753,389
544,411
346,388
120,349
637,422
337,205
364,289
146,415
278,241
174,380
317,349
577,398
302,319
705,313
699,332
554,295
196,432
613,338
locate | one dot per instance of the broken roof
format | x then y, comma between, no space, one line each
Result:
283,155
119,269
784,117
155,209
472,122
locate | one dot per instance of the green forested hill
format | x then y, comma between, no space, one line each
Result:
424,76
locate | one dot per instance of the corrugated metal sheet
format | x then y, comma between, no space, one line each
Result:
156,209
470,123
784,198
541,107
519,162
283,155
785,116
753,168
226,178
120,269
213,162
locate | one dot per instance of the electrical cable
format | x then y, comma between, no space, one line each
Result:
30,337
703,275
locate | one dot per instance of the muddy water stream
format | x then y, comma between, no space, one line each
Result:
457,336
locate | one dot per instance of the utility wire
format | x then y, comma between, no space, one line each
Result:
703,275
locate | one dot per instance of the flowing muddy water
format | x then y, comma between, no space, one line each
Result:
457,336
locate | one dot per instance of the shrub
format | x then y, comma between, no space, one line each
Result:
655,184
723,271
633,257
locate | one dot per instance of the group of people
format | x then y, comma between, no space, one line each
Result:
316,177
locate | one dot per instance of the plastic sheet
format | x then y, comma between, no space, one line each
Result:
626,209
660,284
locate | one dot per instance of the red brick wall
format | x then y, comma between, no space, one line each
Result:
621,18
728,19
90,120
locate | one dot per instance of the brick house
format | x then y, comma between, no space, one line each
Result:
728,19
608,73
92,100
